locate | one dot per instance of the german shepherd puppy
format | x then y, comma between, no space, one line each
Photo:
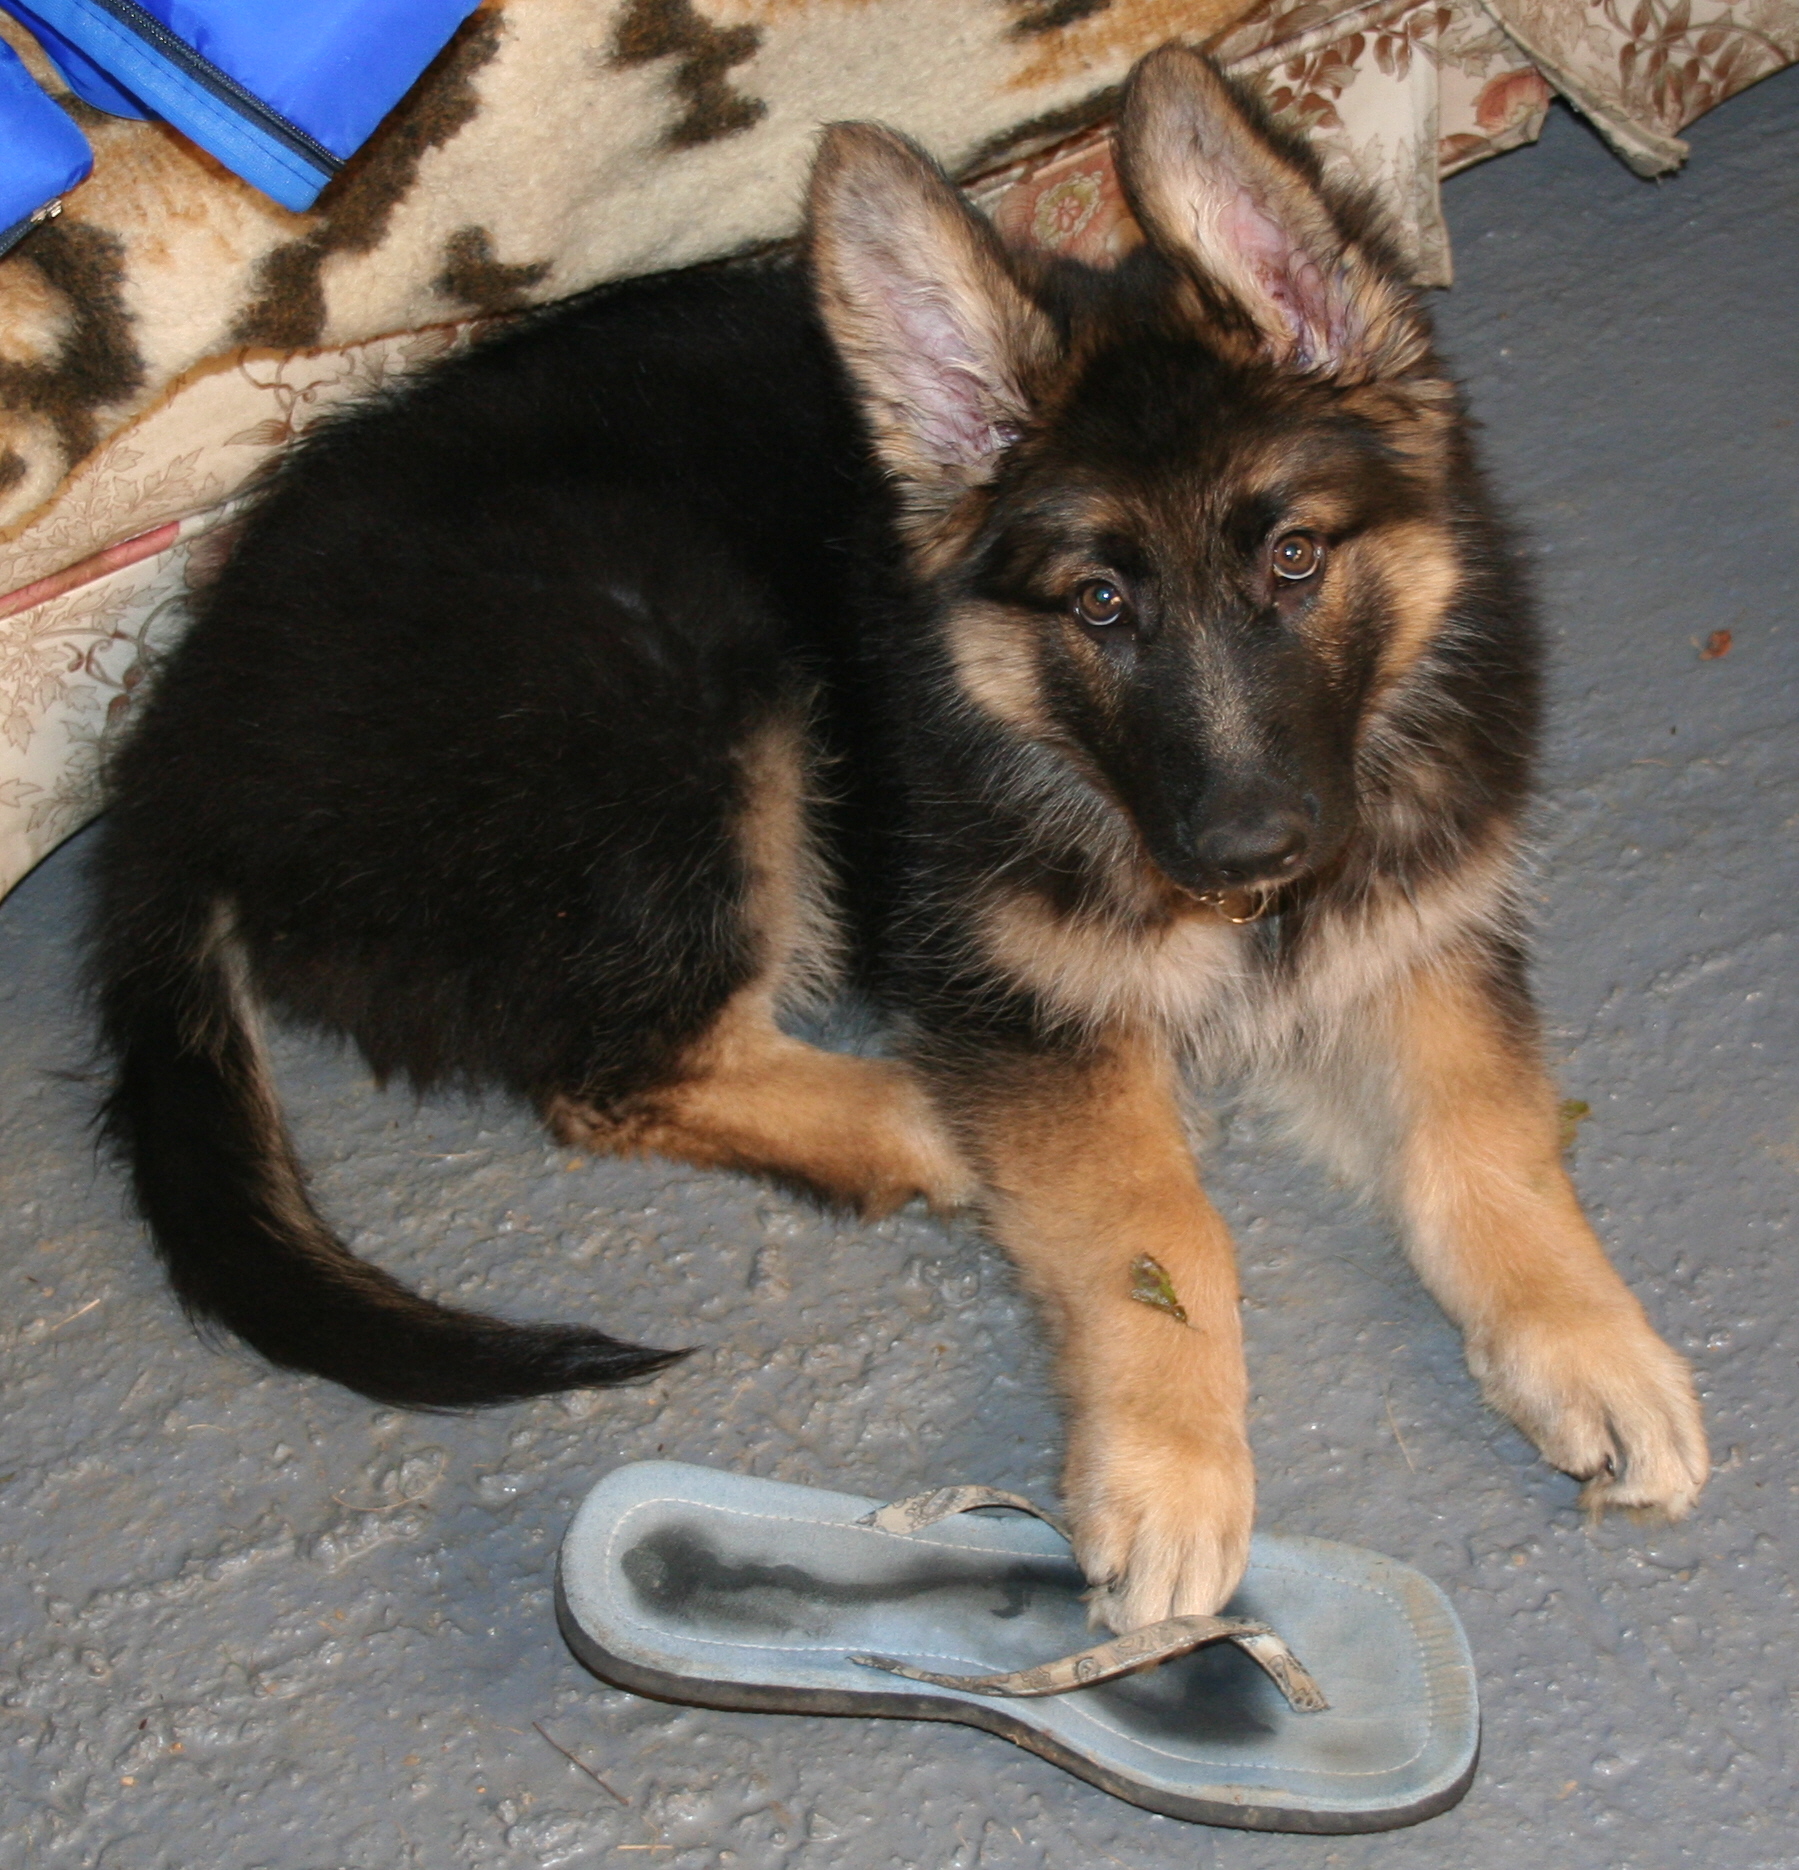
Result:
1122,671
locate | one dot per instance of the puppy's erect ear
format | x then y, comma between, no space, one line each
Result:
941,342
1217,195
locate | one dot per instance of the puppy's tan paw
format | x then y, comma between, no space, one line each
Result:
1606,1401
1161,1525
910,1157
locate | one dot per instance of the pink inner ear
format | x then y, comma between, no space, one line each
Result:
939,374
1315,315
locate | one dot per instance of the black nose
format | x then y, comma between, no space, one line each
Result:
1263,848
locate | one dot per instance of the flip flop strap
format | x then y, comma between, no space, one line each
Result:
1104,1662
1124,1655
926,1509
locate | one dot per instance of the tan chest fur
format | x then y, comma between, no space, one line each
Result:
1198,980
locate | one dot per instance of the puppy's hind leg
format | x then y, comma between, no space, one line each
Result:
860,1132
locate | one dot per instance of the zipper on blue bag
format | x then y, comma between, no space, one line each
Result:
177,52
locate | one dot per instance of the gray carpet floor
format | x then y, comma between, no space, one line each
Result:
250,1622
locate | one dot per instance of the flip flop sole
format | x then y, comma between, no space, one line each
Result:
692,1585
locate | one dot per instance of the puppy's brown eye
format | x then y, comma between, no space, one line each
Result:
1297,555
1100,602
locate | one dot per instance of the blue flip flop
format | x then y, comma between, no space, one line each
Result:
718,1589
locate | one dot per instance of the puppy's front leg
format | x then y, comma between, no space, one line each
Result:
1092,1190
1554,1336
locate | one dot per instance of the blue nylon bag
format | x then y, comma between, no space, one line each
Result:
281,93
44,154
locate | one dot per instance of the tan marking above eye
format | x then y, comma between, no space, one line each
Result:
1296,555
1099,603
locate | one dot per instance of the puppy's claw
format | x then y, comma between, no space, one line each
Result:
1606,1401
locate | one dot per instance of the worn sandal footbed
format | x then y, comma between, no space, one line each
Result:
721,1590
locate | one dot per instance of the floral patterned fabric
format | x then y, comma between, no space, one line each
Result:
173,332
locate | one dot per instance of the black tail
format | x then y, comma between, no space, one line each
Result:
194,1114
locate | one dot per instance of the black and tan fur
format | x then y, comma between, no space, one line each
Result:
1120,674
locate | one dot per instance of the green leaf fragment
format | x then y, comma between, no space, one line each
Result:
1573,1113
1150,1285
